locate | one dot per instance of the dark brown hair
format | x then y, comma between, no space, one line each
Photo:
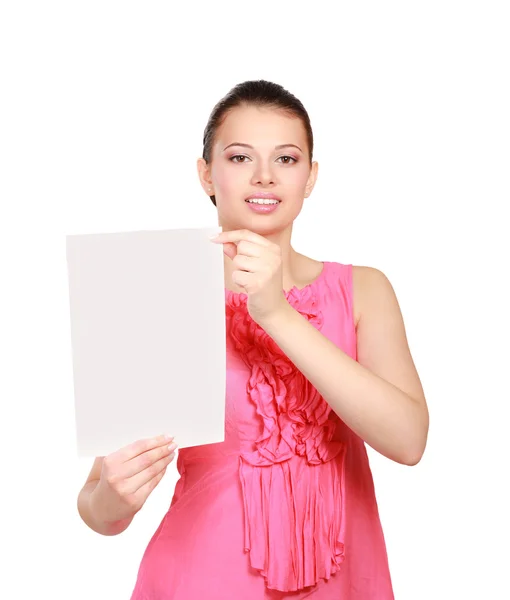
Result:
259,93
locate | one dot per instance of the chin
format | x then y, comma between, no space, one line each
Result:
269,224
266,228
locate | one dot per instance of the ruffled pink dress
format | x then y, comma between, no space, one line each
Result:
285,507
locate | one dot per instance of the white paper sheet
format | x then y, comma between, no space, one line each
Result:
148,337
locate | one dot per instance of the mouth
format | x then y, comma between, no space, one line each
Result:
263,199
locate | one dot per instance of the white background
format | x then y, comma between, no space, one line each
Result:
103,106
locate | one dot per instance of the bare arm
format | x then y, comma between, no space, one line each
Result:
379,396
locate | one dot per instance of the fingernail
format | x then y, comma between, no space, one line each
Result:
214,236
172,446
169,437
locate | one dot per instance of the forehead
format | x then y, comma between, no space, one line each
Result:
260,126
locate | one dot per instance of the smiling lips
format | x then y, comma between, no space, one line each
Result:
263,199
262,204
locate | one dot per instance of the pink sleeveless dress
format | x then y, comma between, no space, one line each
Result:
285,507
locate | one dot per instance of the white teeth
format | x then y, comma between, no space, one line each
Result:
262,201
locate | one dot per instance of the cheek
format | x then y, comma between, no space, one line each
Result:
297,177
228,180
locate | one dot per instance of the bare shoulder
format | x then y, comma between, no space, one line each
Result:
382,344
370,285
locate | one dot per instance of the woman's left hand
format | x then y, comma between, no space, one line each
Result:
258,271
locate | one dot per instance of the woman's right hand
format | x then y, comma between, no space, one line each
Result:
128,476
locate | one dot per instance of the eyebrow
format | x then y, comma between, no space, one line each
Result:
279,147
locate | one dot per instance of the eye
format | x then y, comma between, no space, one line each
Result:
238,156
288,160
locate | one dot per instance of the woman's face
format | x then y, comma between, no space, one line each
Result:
258,152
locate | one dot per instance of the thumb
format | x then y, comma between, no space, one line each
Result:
230,249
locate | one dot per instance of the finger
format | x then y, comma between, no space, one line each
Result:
242,278
145,490
249,248
141,446
147,459
247,263
230,250
133,484
243,247
238,235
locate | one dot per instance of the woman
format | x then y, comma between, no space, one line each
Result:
317,365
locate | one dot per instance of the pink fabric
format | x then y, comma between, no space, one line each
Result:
285,507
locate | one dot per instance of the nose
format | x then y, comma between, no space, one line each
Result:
262,175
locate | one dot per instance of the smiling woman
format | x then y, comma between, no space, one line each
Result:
257,163
262,95
317,366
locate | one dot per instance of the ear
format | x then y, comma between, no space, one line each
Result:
312,178
204,174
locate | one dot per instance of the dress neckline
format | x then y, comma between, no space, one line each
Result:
294,289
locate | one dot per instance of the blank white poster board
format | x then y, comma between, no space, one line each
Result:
148,337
